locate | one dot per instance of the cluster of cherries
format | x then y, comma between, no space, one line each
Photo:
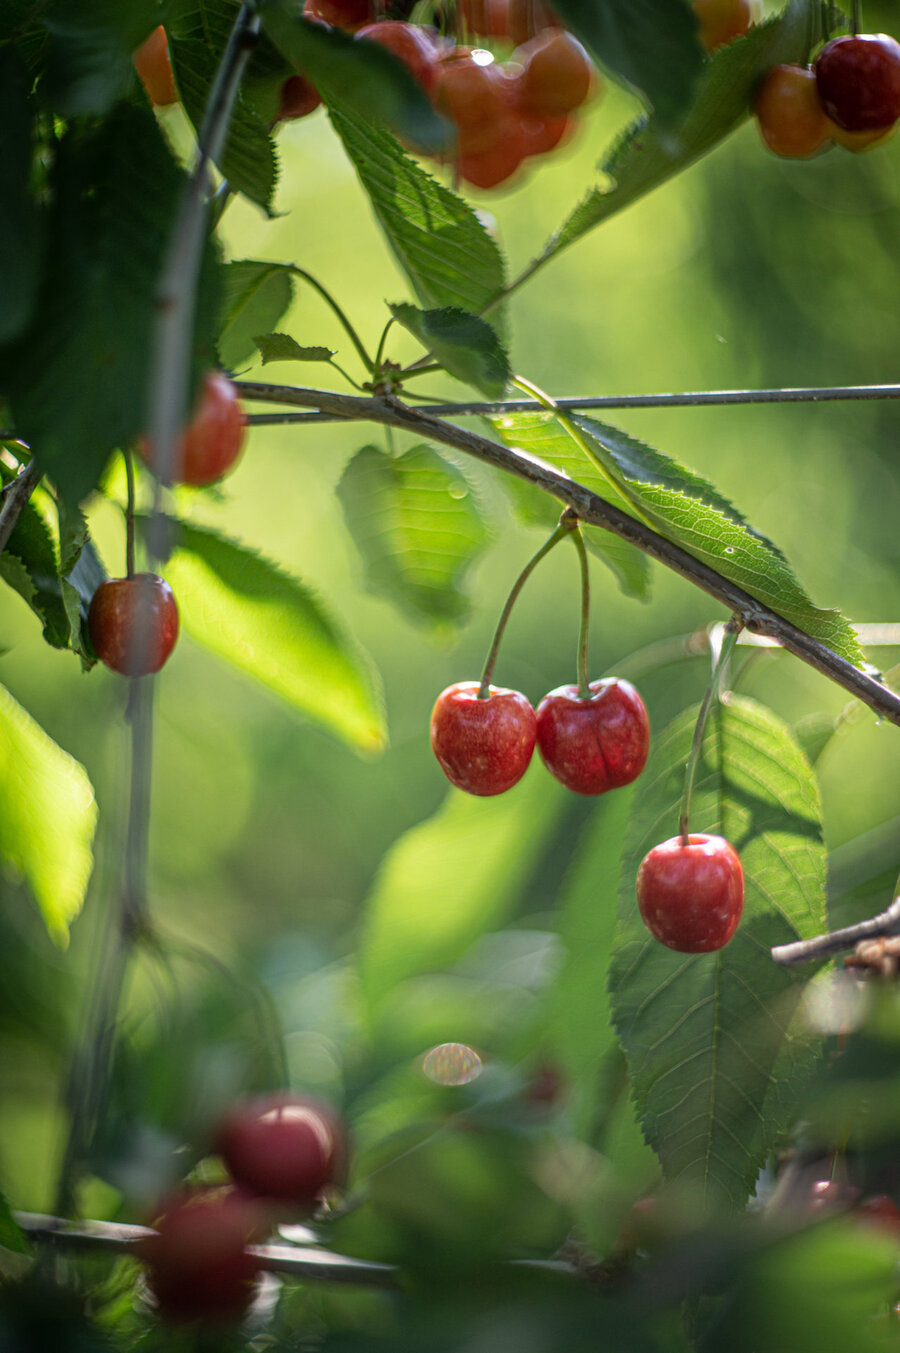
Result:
283,1153
133,621
849,97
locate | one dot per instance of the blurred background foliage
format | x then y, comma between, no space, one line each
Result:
278,852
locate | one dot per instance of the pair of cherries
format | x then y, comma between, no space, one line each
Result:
484,739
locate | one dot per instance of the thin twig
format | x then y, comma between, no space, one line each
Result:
596,511
823,946
301,1261
813,394
17,494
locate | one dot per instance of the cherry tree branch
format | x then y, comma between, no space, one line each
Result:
835,941
596,511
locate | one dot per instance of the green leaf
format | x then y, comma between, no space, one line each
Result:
363,77
450,880
21,223
283,348
11,1237
248,160
417,526
464,344
256,297
88,57
718,1069
650,44
652,151
47,817
440,243
686,509
272,627
77,380
539,434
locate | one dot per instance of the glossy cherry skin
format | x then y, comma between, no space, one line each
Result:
722,21
197,1265
287,1148
691,896
597,744
214,438
151,61
483,746
133,623
410,44
557,74
792,121
476,99
858,79
299,97
349,14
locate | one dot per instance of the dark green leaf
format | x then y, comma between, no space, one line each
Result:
718,1068
440,243
451,879
77,381
249,160
283,348
650,44
47,817
464,344
268,624
11,1238
685,508
540,435
21,223
363,77
415,523
89,65
256,297
651,152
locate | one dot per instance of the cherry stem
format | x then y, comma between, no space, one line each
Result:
856,17
584,689
379,354
729,639
341,316
567,523
129,515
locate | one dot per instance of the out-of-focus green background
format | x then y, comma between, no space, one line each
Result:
266,833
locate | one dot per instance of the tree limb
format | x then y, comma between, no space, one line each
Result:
595,511
835,941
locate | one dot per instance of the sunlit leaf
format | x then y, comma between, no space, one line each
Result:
271,626
718,1068
451,879
47,817
283,348
440,243
464,344
416,524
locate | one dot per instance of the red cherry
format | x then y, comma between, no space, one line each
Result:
525,18
540,135
691,896
880,1210
349,14
133,623
197,1264
557,74
791,119
283,1147
299,97
213,439
596,744
722,21
858,79
489,168
483,746
487,18
410,44
476,98
151,61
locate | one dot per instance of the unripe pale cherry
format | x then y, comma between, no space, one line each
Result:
593,745
133,623
721,21
858,79
483,746
691,895
792,121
